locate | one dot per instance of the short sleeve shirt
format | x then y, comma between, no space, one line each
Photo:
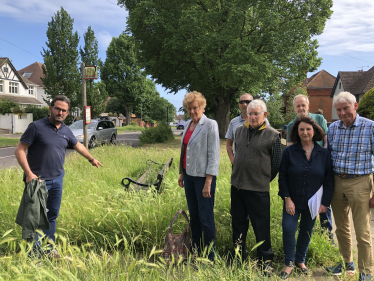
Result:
47,147
321,121
234,124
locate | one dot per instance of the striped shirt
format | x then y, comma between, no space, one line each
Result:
352,148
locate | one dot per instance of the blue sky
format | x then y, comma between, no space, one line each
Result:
347,43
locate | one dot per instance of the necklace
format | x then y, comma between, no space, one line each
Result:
309,150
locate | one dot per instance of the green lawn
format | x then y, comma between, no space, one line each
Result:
106,233
129,128
8,141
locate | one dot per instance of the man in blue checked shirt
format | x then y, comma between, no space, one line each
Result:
351,142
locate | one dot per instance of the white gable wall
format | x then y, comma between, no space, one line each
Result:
10,77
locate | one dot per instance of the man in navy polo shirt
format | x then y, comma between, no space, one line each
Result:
46,141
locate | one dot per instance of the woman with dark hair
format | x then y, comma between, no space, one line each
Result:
305,167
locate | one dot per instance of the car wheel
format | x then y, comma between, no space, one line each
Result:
92,142
113,139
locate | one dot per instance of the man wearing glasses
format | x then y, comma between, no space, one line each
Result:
244,100
46,141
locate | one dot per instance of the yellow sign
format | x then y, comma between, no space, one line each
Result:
91,72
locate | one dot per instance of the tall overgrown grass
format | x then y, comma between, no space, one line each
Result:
106,233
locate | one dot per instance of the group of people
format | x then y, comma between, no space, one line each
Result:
339,160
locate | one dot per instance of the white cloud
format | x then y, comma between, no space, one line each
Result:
350,29
84,12
104,38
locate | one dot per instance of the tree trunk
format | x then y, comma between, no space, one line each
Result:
222,114
128,115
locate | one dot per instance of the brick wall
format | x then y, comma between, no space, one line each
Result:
320,99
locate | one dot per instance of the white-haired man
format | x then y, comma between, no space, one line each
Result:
301,107
257,159
351,142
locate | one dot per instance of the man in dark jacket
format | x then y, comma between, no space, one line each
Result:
257,161
45,141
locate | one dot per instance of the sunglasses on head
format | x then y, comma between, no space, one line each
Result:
245,101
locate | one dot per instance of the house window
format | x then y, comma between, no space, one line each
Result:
31,90
5,69
27,74
340,85
1,86
13,88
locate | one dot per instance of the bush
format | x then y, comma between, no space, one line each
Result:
6,105
366,105
161,133
37,112
132,123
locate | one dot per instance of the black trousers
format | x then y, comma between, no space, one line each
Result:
256,205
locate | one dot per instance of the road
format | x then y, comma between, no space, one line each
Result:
7,158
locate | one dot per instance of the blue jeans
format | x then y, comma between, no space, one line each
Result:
54,188
289,224
201,212
326,221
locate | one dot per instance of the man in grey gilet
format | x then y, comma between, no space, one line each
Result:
258,155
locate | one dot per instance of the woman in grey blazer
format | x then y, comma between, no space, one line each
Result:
198,169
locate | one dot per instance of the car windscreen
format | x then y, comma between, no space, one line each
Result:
79,125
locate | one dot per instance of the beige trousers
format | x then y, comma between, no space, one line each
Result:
354,194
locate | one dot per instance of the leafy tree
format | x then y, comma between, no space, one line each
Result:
274,104
160,109
366,105
6,105
96,92
220,47
114,105
121,72
61,60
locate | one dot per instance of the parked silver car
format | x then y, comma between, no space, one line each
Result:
99,131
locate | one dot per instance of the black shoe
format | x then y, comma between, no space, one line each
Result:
284,275
267,269
303,270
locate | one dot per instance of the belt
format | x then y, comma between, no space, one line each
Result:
347,176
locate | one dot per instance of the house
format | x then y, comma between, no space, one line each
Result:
179,118
319,88
355,82
14,87
34,73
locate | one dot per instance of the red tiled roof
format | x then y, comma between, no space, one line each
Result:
37,72
322,79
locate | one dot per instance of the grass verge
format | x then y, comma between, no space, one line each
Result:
8,141
106,233
130,128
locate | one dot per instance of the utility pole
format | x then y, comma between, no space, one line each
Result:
84,103
167,114
141,114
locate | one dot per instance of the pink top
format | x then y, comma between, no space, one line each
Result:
186,139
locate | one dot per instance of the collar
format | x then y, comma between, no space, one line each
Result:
241,118
356,123
261,127
309,115
48,122
298,146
